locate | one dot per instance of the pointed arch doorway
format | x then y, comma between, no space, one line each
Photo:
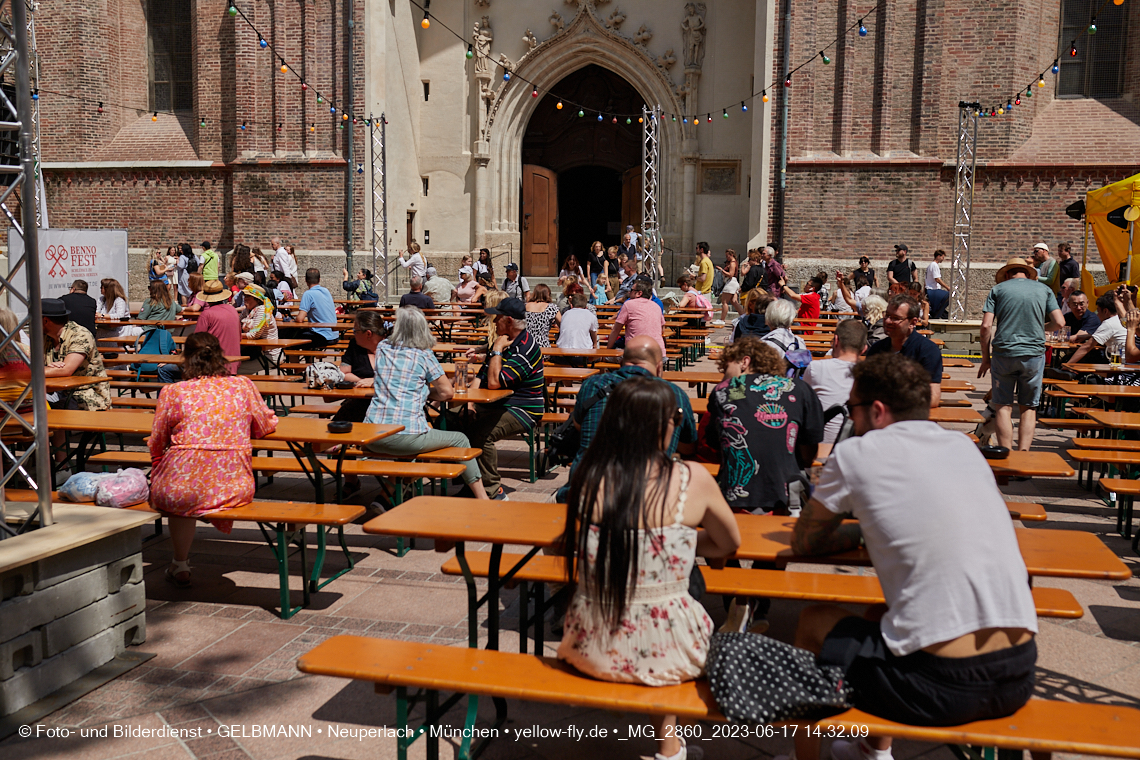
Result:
581,178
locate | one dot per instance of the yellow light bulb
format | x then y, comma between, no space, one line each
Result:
425,23
284,69
559,106
1041,82
765,98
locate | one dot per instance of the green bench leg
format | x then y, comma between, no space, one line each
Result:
531,440
315,583
401,549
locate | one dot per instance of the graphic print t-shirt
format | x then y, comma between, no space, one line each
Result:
756,422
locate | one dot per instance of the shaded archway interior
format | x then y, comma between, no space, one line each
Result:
597,163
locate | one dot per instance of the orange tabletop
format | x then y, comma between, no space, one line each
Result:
337,326
311,430
1032,463
557,372
269,343
480,396
185,322
1116,420
156,359
588,353
133,421
692,377
953,386
451,348
1100,369
955,414
1104,391
452,519
57,384
278,388
1055,553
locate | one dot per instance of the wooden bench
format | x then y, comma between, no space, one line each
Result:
1106,444
730,581
379,468
951,362
288,519
1067,423
1090,457
1041,726
1122,491
133,402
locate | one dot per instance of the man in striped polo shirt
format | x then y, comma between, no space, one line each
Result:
513,363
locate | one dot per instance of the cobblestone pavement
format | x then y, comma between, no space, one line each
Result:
225,661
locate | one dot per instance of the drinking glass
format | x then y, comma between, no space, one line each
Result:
460,382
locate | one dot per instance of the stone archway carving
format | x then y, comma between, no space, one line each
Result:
498,154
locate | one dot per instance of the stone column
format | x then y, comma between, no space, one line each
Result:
481,156
689,158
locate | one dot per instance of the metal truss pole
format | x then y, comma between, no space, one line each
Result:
963,208
34,74
19,116
378,158
650,187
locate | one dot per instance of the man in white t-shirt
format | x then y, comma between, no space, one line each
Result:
579,326
831,379
956,643
937,292
283,262
1110,336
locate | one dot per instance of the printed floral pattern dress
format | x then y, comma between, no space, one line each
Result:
664,636
200,446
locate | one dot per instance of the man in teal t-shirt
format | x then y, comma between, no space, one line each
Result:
1015,349
209,262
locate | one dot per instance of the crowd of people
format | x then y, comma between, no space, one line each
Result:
640,508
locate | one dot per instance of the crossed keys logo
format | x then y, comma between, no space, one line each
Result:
56,254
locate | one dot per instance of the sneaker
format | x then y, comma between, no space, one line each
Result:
500,495
759,625
377,508
718,322
62,474
844,749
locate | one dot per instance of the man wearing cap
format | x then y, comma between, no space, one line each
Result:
243,280
514,285
70,351
439,288
220,319
901,270
417,297
1024,310
1047,271
513,363
639,316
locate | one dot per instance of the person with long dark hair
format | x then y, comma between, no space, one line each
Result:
200,446
631,618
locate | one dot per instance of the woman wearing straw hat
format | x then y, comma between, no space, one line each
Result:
1024,310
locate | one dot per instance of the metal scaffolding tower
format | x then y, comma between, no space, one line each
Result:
378,157
650,186
22,116
963,207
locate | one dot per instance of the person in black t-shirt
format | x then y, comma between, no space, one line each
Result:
359,362
901,270
1081,322
81,305
417,297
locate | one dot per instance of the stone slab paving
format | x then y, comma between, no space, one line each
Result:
226,662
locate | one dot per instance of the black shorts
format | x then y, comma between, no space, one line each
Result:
924,690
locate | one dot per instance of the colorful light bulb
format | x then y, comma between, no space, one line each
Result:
470,52
534,93
559,105
823,55
743,107
426,22
154,116
764,96
862,29
261,41
724,113
233,11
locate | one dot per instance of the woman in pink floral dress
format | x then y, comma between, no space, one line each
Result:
631,618
200,446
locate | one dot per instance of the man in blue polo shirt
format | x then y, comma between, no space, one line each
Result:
900,324
317,306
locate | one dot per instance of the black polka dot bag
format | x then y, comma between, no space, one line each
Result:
756,679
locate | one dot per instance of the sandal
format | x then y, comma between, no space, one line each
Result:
178,573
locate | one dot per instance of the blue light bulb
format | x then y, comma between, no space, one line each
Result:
261,41
862,30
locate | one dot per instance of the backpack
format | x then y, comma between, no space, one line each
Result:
798,358
322,375
154,341
192,265
566,439
751,324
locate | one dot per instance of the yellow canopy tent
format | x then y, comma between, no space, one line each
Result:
1108,211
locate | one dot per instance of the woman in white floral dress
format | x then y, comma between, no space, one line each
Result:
631,618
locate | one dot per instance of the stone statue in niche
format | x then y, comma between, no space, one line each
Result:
530,40
506,63
557,22
615,20
693,30
666,61
643,36
482,37
483,3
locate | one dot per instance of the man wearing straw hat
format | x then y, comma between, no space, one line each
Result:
1014,349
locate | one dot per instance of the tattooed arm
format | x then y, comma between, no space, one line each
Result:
819,531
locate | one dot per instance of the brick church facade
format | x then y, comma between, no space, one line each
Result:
871,136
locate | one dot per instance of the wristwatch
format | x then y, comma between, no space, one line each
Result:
494,353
